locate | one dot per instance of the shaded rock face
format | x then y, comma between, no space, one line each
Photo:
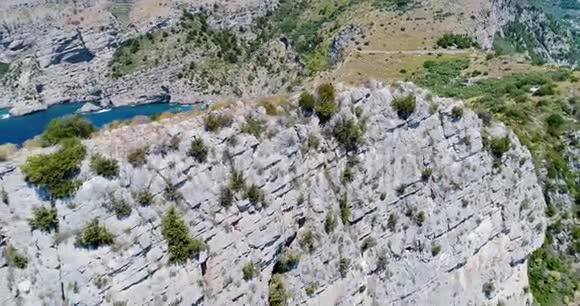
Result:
70,50
342,41
472,211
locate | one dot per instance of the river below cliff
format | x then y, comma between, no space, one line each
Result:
18,129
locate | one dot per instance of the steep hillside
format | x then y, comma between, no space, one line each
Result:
318,219
456,183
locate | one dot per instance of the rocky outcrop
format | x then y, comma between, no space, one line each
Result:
87,108
342,41
472,211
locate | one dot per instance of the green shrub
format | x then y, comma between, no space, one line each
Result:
347,175
94,235
4,68
120,207
326,106
488,289
392,222
254,126
311,288
138,157
325,110
308,241
545,90
344,209
214,122
105,167
343,266
67,127
457,112
485,117
255,195
330,222
44,219
382,262
170,192
143,197
226,197
277,295
313,142
426,174
420,218
4,196
180,245
198,150
498,146
435,249
249,271
307,102
270,107
14,258
174,143
404,106
461,41
555,122
348,134
237,181
326,92
287,261
55,172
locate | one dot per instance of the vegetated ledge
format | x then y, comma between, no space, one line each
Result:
282,190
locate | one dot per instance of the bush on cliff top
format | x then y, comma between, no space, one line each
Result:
67,127
55,172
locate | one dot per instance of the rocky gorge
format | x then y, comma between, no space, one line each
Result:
421,211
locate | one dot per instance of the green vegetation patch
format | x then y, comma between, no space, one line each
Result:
67,127
44,219
552,279
191,34
15,258
105,167
181,246
94,235
277,292
4,68
310,25
55,172
460,41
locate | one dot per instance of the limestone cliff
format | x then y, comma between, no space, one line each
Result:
462,234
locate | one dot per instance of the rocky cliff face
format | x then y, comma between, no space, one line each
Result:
479,223
61,52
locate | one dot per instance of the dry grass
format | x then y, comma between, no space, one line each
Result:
359,68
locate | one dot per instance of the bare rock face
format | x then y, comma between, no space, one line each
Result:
462,234
61,52
342,41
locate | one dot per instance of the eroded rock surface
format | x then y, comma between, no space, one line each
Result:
473,211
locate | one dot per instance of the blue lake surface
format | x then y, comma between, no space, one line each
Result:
18,129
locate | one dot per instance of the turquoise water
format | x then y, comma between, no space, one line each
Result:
18,129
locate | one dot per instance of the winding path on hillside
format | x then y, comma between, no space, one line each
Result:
417,52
